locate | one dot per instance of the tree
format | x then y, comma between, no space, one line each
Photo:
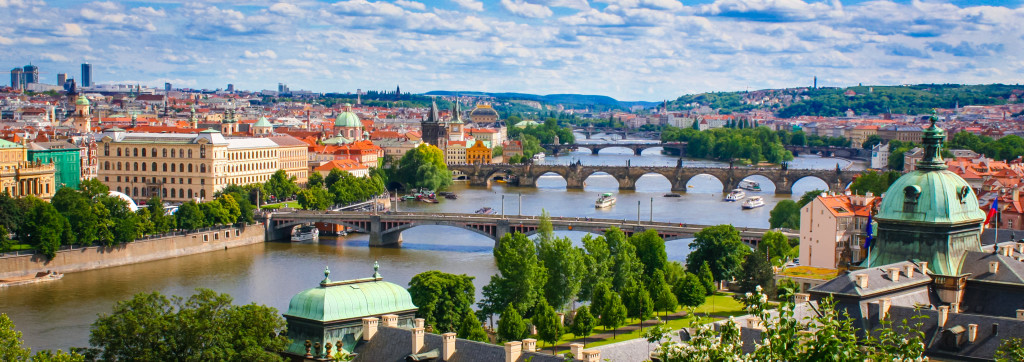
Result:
650,250
520,277
12,349
785,214
720,246
871,141
189,216
626,268
281,186
93,187
125,228
583,323
757,272
511,326
661,293
874,182
614,313
563,263
5,240
315,198
777,247
424,167
1010,350
443,299
203,327
162,222
549,327
689,291
45,228
471,328
78,210
597,265
315,180
707,279
215,214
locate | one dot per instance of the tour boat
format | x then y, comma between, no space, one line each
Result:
538,157
305,233
753,202
485,211
606,200
735,195
750,185
672,194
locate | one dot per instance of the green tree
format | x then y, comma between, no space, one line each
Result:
720,246
874,182
520,277
315,180
511,326
614,313
125,226
93,187
549,327
757,272
785,214
424,167
871,141
443,299
564,265
583,323
280,185
777,247
12,349
626,268
45,228
189,216
162,222
203,327
664,300
597,264
5,240
78,210
650,250
707,279
214,214
1010,350
231,207
315,198
471,328
689,291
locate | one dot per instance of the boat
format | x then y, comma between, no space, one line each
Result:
750,185
305,233
448,195
753,202
485,211
606,200
538,157
672,194
689,186
408,198
735,195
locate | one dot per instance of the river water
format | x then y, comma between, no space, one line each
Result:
58,314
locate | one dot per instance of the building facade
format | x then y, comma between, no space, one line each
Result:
65,157
833,230
478,153
20,177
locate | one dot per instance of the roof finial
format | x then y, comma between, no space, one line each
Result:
376,269
327,272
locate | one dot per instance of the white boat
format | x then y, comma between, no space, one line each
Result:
606,200
735,195
750,185
538,157
305,233
753,202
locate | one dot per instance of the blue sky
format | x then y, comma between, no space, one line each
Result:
627,49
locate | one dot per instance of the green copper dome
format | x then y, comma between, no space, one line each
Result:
348,119
82,101
351,299
263,122
933,197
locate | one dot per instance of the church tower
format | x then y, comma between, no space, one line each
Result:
455,126
432,128
81,120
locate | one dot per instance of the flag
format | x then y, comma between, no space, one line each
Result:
867,241
992,210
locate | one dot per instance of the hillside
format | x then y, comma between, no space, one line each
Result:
564,99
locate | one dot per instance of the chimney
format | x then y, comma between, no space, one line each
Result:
909,270
1020,248
419,322
417,340
954,307
944,315
862,281
1020,314
390,320
894,274
447,346
801,298
513,350
369,328
883,308
972,332
577,350
530,345
995,329
591,355
924,266
993,267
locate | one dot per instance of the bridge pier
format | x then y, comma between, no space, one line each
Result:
527,181
274,233
594,151
637,151
626,183
379,238
783,187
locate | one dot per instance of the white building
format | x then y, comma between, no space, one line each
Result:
880,156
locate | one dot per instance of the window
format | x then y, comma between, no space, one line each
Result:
106,149
154,166
106,165
143,152
165,167
190,193
118,152
136,166
190,153
119,166
190,167
910,195
143,164
153,153
202,152
165,152
172,168
181,167
202,168
135,152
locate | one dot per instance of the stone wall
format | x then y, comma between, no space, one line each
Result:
142,250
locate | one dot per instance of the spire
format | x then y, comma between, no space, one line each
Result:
433,117
457,113
376,270
932,139
327,272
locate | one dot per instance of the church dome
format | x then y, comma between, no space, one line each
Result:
933,197
82,101
484,110
350,299
348,119
262,122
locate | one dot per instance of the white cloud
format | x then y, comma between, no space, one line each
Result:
269,54
55,57
525,9
285,9
70,29
470,4
411,5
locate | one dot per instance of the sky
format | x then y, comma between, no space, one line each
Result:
627,49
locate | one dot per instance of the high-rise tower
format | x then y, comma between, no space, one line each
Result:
17,80
30,74
86,75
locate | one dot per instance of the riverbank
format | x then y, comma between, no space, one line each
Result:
17,267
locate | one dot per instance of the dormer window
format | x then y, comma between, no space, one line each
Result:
910,196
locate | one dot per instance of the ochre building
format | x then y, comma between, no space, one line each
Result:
20,177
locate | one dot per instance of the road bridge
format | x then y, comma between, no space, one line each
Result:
638,148
589,132
627,176
385,229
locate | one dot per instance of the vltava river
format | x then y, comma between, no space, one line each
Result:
58,314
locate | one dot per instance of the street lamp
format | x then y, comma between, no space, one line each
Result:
520,204
502,206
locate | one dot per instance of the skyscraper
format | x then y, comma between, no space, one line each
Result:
86,75
167,87
231,88
31,74
61,78
16,78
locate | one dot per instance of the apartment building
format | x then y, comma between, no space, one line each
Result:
833,230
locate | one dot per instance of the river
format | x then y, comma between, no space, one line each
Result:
58,314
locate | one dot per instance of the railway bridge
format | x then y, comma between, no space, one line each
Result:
385,229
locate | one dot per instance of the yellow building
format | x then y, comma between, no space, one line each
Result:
182,167
860,134
483,114
19,177
478,153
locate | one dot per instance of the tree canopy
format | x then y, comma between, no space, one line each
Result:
443,299
423,167
720,246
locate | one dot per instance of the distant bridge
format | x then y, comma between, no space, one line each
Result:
679,148
575,175
589,132
386,229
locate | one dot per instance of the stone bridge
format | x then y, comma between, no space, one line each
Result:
589,132
575,175
595,148
385,229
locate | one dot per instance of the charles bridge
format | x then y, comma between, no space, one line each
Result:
385,229
627,176
679,148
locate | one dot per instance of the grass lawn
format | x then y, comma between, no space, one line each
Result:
16,247
291,204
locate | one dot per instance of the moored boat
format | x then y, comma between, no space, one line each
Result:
750,185
485,211
305,233
735,195
672,194
606,200
753,202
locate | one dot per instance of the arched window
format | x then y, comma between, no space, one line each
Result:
172,168
190,193
153,153
181,167
143,164
190,153
135,152
119,189
202,193
190,166
106,165
165,152
119,166
173,153
173,193
136,168
106,149
181,193
202,152
143,152
119,152
154,166
135,191
202,168
165,167
163,193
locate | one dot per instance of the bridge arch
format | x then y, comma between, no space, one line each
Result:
482,230
548,180
703,183
506,173
805,183
289,224
654,180
766,183
600,181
